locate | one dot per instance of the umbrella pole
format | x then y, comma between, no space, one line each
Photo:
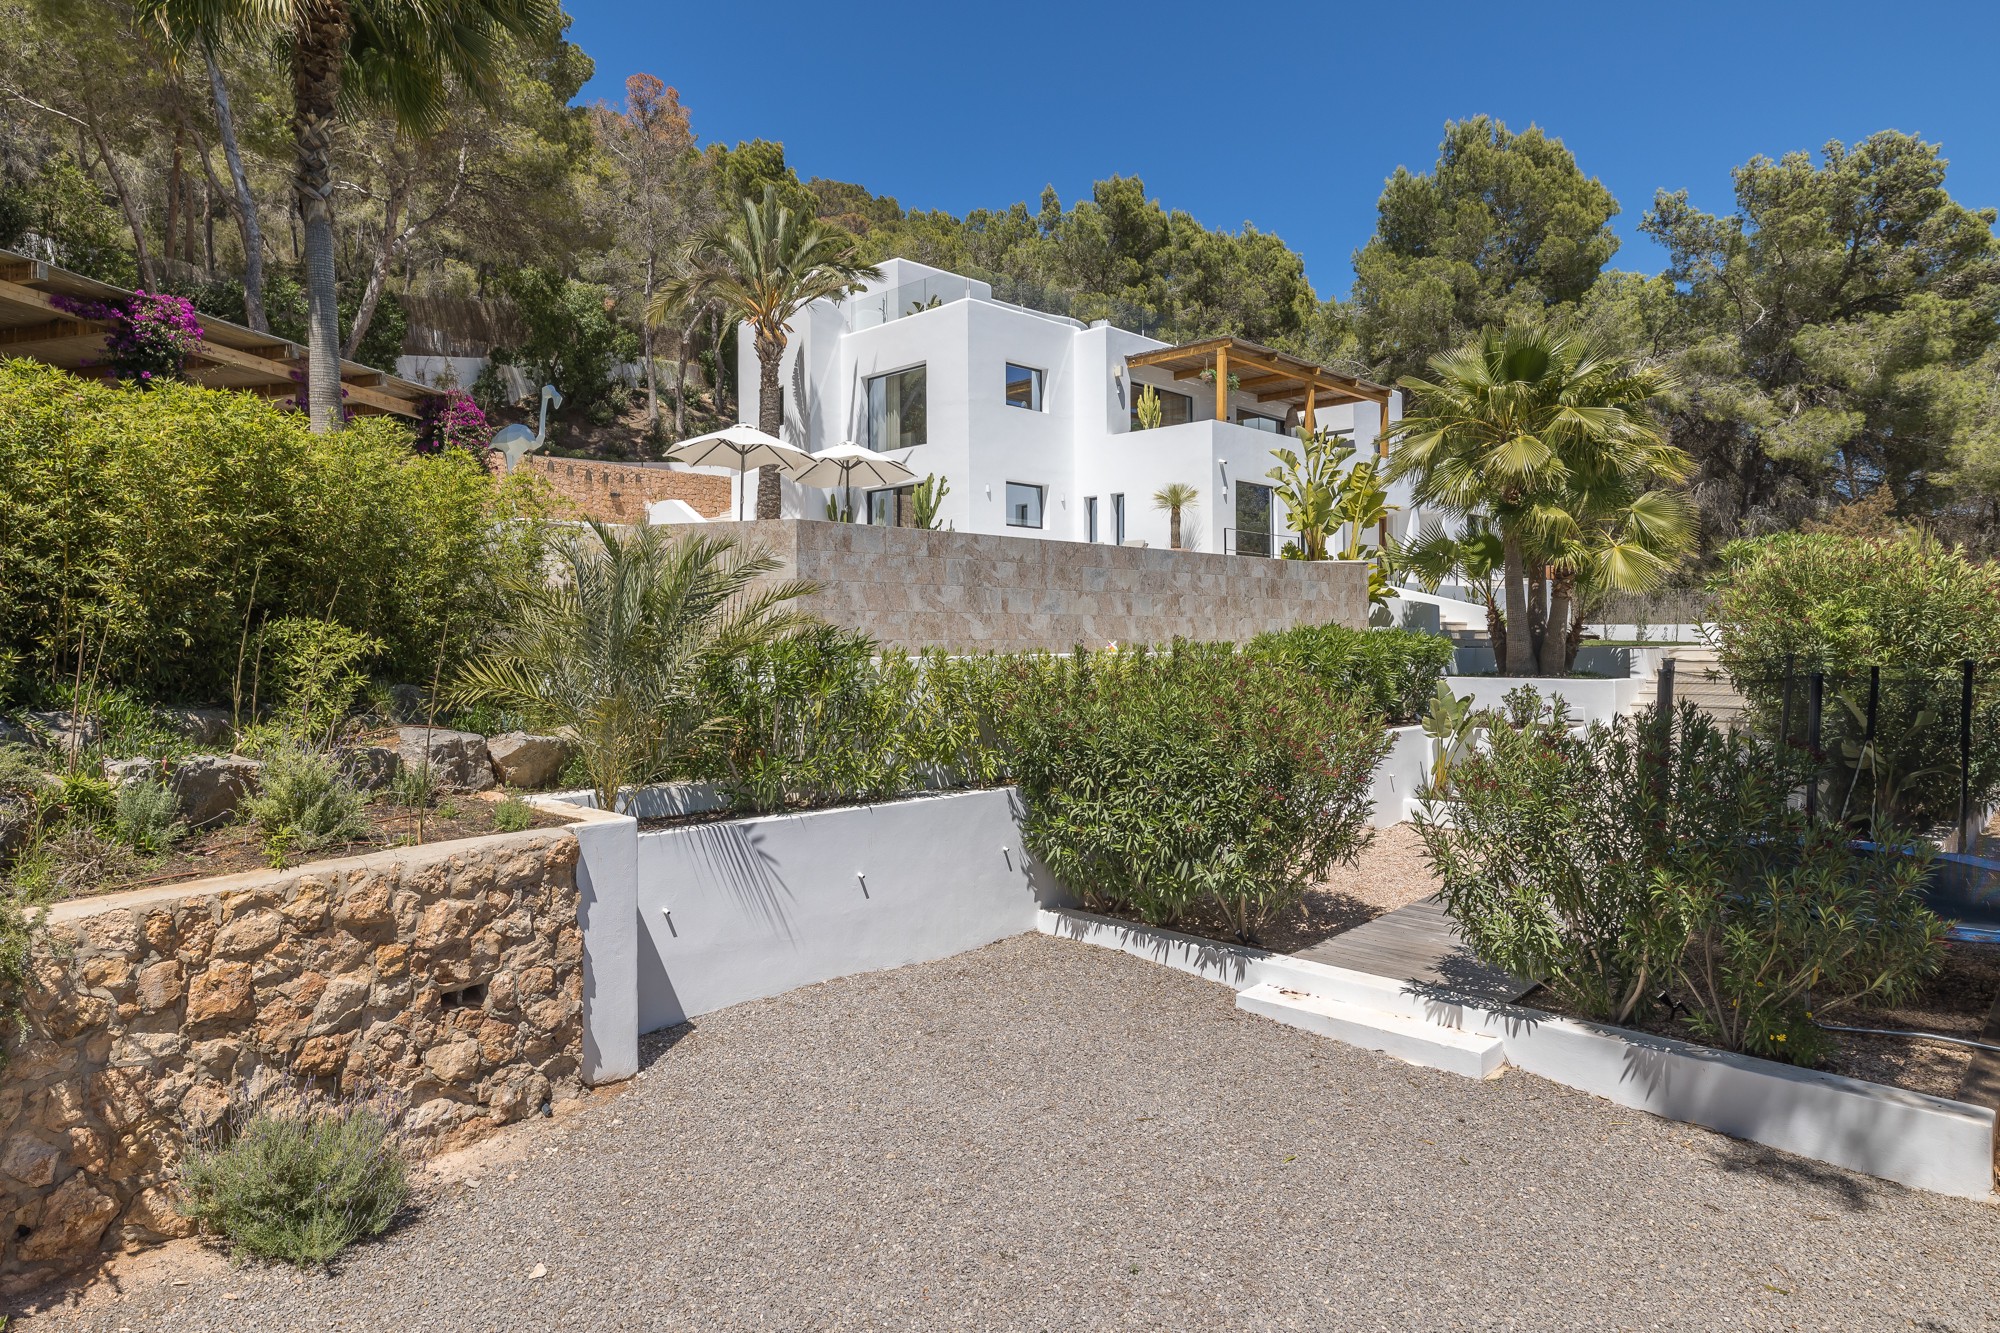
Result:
742,484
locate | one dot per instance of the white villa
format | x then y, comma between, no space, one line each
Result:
1032,418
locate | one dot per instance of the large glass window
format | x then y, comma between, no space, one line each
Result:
1263,423
1176,409
1253,519
896,410
1024,505
890,508
1024,387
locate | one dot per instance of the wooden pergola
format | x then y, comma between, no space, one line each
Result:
1265,373
34,326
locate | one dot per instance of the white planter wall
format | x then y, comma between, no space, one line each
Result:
1590,700
1403,770
740,909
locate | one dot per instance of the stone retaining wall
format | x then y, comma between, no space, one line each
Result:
450,975
620,492
975,592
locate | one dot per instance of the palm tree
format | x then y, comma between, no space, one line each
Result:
763,266
1174,497
613,648
1546,434
403,57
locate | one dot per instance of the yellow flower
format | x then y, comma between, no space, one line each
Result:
1778,1037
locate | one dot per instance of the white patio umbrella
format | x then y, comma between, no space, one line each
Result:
741,449
842,464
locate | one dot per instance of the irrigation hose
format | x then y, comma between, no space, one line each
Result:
1905,1032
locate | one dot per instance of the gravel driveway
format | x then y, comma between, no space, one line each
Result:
1046,1135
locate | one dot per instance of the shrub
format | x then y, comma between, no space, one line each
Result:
1156,781
314,669
298,1179
828,716
1549,844
452,421
306,802
415,785
1782,930
71,860
574,341
146,531
147,816
513,814
1796,603
1394,671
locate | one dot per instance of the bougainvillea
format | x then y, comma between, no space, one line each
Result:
452,421
152,333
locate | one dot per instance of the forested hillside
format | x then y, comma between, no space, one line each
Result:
1833,336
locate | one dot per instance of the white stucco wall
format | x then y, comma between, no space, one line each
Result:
1079,445
737,910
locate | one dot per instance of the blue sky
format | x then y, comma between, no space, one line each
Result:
1291,115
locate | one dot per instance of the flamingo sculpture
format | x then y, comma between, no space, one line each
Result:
514,443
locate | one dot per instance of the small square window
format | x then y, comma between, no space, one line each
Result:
1024,387
1024,505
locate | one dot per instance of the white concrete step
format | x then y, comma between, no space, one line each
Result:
1413,1040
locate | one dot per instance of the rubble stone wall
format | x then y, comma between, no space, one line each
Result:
449,977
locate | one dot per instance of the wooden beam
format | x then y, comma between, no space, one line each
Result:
281,372
50,331
1306,417
1222,384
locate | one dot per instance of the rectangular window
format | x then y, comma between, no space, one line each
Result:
1176,409
1256,422
890,508
1253,519
1024,387
896,410
1024,505
1117,520
1090,518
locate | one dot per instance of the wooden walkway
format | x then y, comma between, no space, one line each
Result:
1417,943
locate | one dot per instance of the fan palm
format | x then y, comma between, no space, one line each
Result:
611,649
764,266
1547,435
1174,497
402,57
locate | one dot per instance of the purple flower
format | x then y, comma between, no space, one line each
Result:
152,333
452,421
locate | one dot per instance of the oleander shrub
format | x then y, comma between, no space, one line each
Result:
1160,781
143,534
1839,604
1657,854
1395,671
1781,931
297,1176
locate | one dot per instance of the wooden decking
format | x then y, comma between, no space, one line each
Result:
1417,943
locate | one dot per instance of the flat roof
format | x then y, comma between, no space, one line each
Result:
33,326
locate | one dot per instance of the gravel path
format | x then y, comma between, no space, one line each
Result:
1042,1134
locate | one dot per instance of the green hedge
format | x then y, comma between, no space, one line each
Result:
145,526
1395,671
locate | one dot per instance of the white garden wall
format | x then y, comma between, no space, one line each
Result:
740,909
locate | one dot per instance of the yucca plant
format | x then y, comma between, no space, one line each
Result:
612,650
1174,497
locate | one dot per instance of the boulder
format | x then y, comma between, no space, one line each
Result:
406,703
209,787
203,726
524,760
369,767
64,731
129,772
457,759
13,733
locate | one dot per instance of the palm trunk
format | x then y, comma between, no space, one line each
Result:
319,46
1520,659
770,420
1538,611
246,202
1174,523
1555,635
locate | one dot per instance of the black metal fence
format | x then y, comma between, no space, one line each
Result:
1880,747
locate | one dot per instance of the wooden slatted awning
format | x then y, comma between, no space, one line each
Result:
1265,373
35,326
